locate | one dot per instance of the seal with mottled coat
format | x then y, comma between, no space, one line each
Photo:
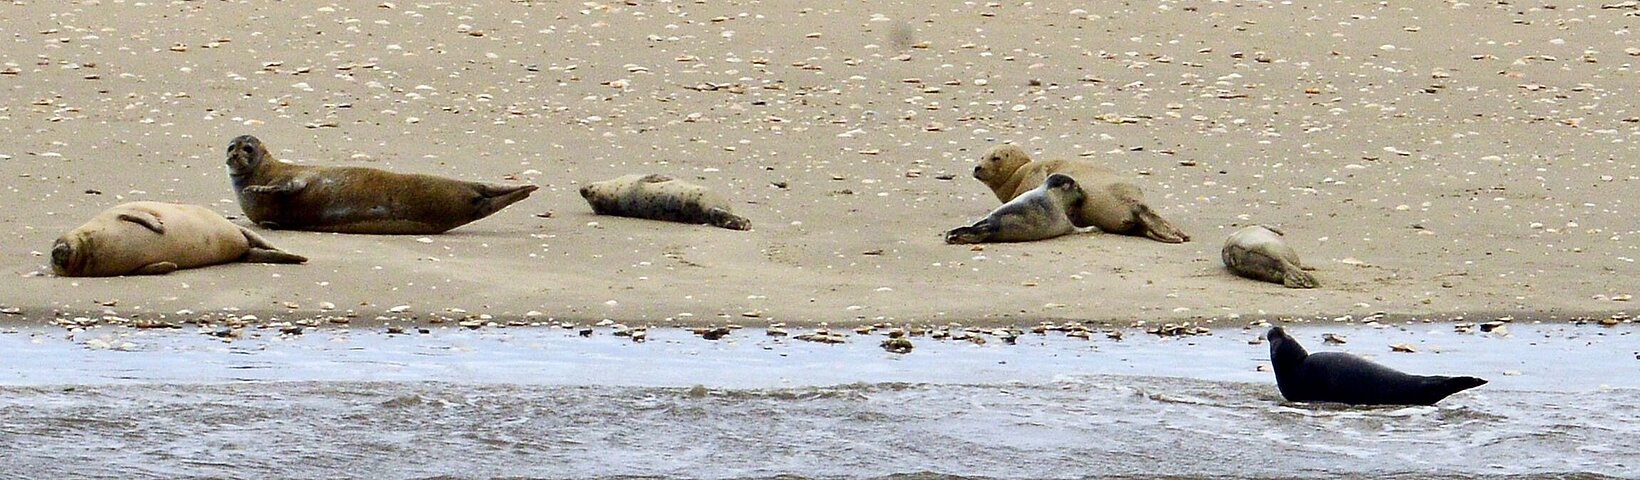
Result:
1038,214
152,238
661,197
1114,204
1257,252
1340,377
280,195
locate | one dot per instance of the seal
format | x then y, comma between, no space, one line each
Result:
1257,252
154,238
1038,214
1344,378
280,195
661,197
1114,204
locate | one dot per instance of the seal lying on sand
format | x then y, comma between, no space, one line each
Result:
1257,252
660,197
281,195
1344,378
1038,214
151,238
1114,204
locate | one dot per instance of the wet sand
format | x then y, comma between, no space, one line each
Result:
544,403
1449,160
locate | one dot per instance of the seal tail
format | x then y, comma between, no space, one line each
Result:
1158,228
492,198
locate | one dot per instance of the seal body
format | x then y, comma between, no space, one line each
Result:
144,238
279,195
1257,252
661,197
1038,214
1344,378
1114,204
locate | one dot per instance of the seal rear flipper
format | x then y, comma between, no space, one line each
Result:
492,198
263,252
722,218
147,220
979,232
1157,228
1292,276
270,255
1447,386
160,268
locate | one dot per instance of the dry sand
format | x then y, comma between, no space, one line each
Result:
1436,160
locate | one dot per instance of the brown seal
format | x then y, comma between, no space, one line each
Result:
660,197
151,238
280,195
1257,252
1114,204
1038,214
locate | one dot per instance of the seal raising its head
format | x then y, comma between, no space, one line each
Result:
1344,378
1040,213
1114,204
281,195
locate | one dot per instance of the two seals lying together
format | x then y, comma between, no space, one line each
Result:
1048,198
156,238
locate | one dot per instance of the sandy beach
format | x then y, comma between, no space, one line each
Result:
1434,161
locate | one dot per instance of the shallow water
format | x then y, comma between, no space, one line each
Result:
541,403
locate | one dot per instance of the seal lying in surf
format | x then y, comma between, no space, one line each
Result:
1344,378
661,197
1038,214
153,238
1114,204
279,195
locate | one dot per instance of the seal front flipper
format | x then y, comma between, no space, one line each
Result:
285,188
145,219
1158,228
722,218
159,268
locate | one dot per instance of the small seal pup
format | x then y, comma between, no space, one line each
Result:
154,238
1114,204
279,195
1038,214
661,197
1257,252
1344,378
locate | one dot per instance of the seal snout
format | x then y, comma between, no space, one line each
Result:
62,257
243,151
1061,181
1275,333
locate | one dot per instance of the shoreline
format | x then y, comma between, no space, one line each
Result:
1401,163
